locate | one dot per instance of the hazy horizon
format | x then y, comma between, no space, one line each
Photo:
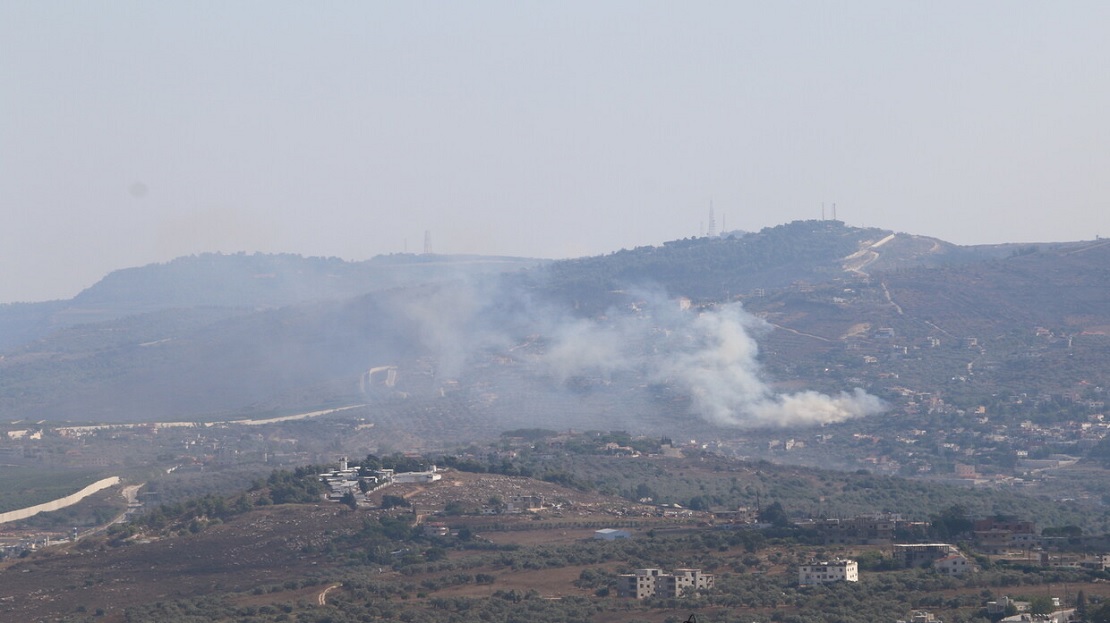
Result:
135,133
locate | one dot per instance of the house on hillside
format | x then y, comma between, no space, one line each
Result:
431,475
922,554
436,529
997,536
1093,562
877,529
839,570
647,583
524,503
954,564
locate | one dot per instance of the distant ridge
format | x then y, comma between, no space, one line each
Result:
705,268
240,281
214,336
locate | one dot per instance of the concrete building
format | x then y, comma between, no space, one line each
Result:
922,554
524,503
1093,562
838,570
955,564
431,475
647,583
340,482
877,529
436,529
995,536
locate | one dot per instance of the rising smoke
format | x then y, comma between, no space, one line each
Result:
711,354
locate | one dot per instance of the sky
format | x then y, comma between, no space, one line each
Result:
137,132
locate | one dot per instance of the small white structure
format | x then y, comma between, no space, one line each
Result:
341,481
431,475
612,534
838,570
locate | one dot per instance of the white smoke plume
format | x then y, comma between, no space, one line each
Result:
712,355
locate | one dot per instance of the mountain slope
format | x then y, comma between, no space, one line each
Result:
492,353
239,281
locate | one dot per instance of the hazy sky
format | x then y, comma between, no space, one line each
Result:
136,132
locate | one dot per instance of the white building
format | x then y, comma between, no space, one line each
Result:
431,475
838,570
647,583
955,564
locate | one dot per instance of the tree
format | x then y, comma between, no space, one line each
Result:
1063,531
775,515
1101,614
952,522
350,500
390,501
1040,605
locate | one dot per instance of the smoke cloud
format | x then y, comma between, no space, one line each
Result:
711,355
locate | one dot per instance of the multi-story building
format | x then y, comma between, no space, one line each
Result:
1094,562
524,503
647,583
922,554
996,536
839,570
875,529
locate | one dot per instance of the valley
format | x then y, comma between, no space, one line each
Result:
727,401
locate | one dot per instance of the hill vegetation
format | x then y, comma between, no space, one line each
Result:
275,553
239,282
209,336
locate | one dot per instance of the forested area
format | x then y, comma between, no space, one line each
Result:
762,591
704,480
710,268
386,568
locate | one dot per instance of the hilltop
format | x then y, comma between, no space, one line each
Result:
238,282
566,342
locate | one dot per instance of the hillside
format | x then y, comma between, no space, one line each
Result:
569,342
244,558
239,282
737,265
